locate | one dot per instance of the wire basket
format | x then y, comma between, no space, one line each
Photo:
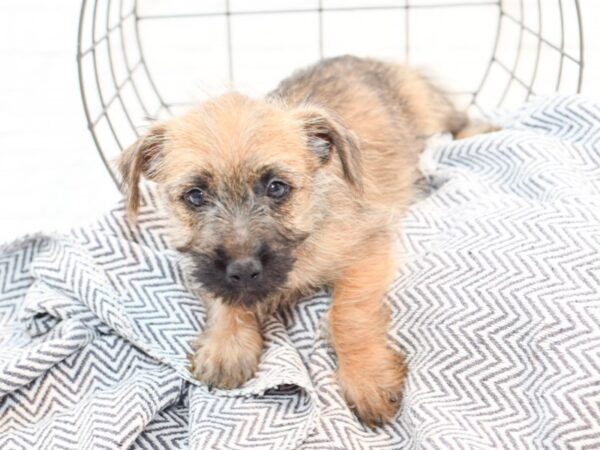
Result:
141,60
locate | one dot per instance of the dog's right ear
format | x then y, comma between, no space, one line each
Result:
141,158
326,133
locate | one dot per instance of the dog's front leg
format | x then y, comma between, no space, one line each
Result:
370,373
228,351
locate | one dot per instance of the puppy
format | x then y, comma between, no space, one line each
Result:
273,199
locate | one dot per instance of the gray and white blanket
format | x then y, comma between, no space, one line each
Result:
497,307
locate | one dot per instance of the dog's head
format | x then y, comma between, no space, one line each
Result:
246,182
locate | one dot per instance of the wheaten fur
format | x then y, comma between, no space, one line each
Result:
345,135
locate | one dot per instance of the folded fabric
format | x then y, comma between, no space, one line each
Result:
496,305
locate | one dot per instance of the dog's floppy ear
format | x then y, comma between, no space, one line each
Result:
326,133
141,158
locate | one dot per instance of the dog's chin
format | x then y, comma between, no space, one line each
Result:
247,299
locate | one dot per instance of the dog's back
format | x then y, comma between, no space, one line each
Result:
390,107
353,87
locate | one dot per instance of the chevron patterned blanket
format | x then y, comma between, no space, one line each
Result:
497,306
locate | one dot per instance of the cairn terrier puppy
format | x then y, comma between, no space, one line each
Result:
274,198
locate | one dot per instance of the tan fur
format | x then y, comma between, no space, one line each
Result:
345,134
226,356
371,374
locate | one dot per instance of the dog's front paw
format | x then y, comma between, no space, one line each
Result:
374,392
226,361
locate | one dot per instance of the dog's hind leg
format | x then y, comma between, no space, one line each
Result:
432,110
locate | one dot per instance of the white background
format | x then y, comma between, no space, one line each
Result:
51,177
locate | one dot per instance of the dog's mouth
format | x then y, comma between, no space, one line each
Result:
258,279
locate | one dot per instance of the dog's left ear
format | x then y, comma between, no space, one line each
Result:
141,158
326,134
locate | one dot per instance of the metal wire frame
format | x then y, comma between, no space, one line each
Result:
138,69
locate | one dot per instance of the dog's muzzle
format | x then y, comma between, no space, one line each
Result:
245,280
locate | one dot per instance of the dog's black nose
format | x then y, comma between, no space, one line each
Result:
244,271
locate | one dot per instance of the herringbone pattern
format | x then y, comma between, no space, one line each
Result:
497,306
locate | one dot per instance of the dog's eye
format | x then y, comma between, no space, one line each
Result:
194,197
278,190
